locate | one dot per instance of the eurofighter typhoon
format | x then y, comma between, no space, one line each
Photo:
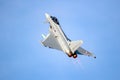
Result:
56,39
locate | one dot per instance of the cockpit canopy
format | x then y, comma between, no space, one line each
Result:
55,19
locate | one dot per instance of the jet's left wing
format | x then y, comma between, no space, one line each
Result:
82,51
51,41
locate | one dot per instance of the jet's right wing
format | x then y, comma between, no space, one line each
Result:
85,52
51,41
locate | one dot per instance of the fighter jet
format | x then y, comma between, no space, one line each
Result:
56,39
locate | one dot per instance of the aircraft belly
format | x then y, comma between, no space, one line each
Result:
60,37
63,43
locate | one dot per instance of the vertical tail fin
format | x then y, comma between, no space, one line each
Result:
74,45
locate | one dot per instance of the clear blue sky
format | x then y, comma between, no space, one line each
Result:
96,22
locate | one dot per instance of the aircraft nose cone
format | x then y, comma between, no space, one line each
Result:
47,15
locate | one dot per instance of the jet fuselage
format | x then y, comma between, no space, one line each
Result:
59,35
